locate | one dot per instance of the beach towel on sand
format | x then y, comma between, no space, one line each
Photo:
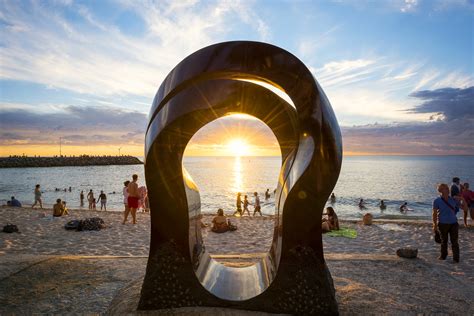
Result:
343,232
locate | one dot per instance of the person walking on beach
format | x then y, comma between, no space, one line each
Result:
133,197
238,204
445,220
91,199
81,196
38,199
125,201
256,204
103,200
246,205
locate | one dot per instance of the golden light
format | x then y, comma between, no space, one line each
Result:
238,147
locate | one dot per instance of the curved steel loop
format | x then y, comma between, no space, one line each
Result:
213,82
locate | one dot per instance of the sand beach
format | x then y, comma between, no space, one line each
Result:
46,269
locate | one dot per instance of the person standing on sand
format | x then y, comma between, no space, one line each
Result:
468,196
125,201
81,196
256,204
133,197
38,197
445,220
91,199
455,187
103,200
267,194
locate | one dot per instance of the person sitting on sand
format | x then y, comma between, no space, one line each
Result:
382,205
219,223
332,222
59,209
14,202
238,204
362,204
404,208
333,198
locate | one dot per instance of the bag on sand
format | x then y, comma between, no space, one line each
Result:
72,225
10,228
94,223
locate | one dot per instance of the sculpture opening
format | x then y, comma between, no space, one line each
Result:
213,82
239,165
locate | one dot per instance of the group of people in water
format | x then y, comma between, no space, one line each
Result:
93,201
382,205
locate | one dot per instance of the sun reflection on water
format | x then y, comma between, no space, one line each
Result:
237,174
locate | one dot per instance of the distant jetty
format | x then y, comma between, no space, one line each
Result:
63,161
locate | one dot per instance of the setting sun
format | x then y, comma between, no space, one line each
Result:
238,147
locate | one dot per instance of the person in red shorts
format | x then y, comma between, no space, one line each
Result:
133,197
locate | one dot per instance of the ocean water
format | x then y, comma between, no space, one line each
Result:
393,178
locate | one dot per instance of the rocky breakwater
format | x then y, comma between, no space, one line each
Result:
85,160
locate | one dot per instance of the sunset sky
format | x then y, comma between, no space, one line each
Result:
399,74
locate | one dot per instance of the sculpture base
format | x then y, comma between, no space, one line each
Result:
303,285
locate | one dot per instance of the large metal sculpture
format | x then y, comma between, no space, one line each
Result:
215,81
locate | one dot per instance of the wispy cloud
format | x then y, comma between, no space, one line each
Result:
93,56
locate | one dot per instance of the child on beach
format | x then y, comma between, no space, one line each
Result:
38,197
246,205
125,201
332,222
59,209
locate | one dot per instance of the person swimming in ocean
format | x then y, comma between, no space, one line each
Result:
404,208
382,205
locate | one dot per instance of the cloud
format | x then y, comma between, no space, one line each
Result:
451,103
450,131
75,125
88,53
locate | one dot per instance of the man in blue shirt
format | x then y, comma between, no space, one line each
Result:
15,202
445,220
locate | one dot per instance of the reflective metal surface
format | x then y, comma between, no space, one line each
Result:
213,82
